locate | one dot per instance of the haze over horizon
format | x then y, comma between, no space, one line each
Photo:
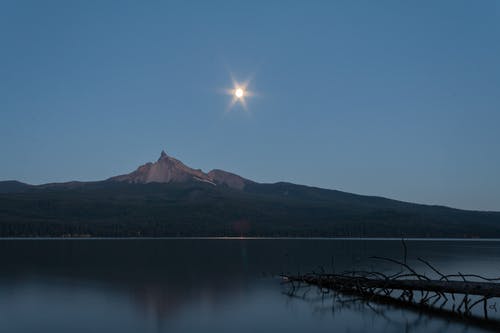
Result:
394,100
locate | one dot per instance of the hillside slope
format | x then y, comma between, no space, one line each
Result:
194,208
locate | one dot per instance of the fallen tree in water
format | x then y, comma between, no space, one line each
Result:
464,297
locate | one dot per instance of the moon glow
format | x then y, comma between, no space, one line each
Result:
239,93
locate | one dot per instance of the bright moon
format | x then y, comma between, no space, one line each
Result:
239,93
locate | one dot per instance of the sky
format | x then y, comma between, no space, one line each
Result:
393,98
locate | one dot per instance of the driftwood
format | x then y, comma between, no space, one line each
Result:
455,296
353,283
388,301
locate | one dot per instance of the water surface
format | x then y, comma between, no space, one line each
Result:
209,285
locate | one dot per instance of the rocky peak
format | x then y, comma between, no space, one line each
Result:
229,179
170,170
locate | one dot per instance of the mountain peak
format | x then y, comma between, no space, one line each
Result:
170,170
229,179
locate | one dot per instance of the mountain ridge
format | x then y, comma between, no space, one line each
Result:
168,198
175,171
168,169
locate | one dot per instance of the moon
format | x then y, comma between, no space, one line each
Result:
239,93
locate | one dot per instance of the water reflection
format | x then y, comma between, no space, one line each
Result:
396,314
204,285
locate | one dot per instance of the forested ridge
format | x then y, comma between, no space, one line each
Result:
117,209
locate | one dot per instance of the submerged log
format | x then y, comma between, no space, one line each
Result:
345,283
452,295
427,308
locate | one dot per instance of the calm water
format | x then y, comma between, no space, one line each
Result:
202,285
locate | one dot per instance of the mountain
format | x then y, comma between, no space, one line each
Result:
166,170
229,179
170,170
168,198
12,186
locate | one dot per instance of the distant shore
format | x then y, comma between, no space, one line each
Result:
440,239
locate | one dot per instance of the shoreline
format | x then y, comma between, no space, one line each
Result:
417,239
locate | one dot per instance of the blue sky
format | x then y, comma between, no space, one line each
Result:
392,98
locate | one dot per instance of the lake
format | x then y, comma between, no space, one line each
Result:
211,285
